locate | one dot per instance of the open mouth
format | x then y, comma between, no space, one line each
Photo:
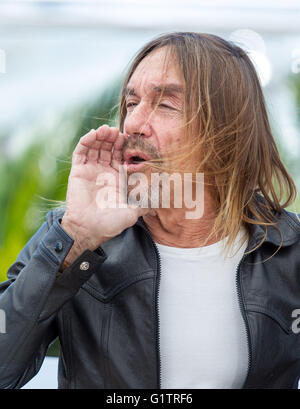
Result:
135,158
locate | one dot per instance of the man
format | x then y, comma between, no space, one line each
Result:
148,298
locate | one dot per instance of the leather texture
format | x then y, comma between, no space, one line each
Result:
107,318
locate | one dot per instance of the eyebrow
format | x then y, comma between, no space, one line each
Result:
167,89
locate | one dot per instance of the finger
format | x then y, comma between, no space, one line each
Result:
117,154
107,136
122,182
146,211
95,142
120,141
94,152
108,143
93,147
139,211
86,142
104,157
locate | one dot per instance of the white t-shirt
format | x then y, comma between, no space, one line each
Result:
203,342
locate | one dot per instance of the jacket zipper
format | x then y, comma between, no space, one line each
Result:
157,335
242,309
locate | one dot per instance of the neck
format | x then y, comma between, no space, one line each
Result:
171,227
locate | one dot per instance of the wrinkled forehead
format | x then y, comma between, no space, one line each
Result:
157,68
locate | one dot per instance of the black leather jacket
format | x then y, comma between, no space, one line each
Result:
107,318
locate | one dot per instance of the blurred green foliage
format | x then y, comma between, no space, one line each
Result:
32,181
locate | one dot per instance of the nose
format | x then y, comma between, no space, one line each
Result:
137,122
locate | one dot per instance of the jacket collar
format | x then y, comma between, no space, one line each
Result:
287,223
289,228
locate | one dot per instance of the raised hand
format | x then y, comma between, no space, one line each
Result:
90,218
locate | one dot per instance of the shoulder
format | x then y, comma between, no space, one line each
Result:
293,219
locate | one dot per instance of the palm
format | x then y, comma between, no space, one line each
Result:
95,174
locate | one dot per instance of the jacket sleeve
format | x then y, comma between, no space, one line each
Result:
32,296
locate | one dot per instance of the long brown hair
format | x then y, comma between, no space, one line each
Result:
225,104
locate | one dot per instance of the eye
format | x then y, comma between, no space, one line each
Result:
131,104
165,106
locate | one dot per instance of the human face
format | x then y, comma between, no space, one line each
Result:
155,104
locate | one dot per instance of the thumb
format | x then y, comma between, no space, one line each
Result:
144,211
